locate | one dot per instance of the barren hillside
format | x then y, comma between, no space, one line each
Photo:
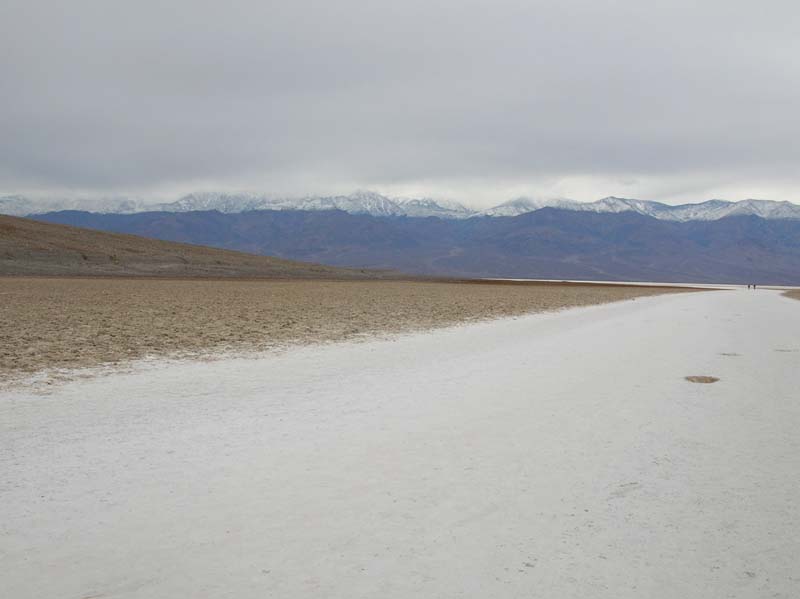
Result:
30,247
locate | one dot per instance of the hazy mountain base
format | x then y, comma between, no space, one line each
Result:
76,323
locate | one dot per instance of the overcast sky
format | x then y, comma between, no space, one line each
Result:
476,101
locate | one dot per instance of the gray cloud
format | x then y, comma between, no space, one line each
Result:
475,100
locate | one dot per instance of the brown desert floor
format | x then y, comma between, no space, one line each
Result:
794,294
63,323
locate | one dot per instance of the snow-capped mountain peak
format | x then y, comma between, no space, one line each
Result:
428,207
17,205
523,205
222,202
614,204
375,204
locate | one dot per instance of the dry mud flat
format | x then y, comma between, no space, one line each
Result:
52,323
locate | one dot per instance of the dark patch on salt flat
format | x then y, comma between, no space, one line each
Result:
701,379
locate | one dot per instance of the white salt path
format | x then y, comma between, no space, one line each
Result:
551,456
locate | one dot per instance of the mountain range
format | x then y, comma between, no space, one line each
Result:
548,243
374,204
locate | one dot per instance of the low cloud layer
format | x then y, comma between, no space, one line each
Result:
470,100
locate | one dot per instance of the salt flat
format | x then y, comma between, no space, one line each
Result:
554,455
72,323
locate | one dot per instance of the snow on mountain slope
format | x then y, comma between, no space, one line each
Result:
523,205
375,204
766,209
710,210
222,202
617,205
440,208
360,202
514,207
17,205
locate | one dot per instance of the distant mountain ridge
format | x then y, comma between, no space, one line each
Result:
549,243
703,211
374,204
360,202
